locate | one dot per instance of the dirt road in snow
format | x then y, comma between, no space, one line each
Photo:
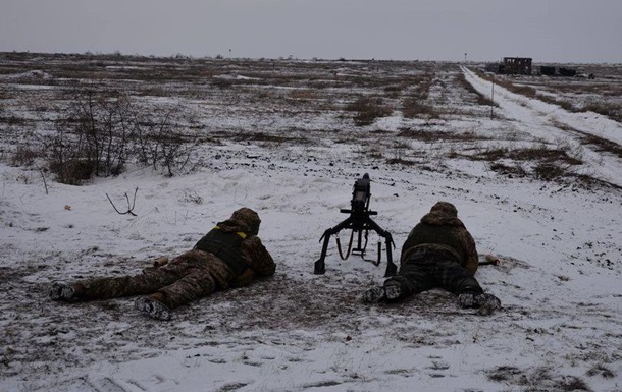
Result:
553,124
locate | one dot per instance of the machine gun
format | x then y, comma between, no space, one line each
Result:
359,221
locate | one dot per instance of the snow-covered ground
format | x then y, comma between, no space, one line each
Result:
560,329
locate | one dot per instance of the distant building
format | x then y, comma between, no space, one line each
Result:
548,70
567,71
551,70
516,66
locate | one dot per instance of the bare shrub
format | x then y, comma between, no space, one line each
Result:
94,130
548,171
62,151
393,91
368,109
25,155
72,171
100,131
510,171
160,143
222,83
413,107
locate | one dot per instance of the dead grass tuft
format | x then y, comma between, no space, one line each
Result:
602,144
537,380
270,138
400,161
549,164
368,109
303,94
510,171
602,370
25,155
540,153
429,136
413,107
480,99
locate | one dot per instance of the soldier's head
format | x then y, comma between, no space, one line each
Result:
445,208
248,218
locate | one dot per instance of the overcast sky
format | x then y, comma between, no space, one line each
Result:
546,30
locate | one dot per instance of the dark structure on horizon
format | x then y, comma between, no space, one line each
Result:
552,70
516,66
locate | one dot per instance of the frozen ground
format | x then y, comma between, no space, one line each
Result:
559,241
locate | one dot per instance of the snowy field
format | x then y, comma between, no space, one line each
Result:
280,137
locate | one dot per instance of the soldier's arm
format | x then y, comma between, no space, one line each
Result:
470,252
244,279
257,256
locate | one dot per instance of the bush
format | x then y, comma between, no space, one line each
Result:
159,143
93,134
368,109
25,156
100,131
73,171
548,171
413,108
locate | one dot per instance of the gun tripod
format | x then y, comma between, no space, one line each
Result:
358,222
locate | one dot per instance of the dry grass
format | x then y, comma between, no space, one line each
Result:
414,107
547,164
480,99
368,109
568,94
25,155
603,144
430,136
260,90
264,137
536,380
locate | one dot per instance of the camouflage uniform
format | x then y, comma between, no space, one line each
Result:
439,252
230,254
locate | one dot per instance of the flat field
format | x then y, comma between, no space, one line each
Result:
533,164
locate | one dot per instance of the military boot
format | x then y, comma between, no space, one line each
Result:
390,291
65,292
152,307
486,303
374,294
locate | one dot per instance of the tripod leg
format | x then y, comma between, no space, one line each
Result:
391,267
320,267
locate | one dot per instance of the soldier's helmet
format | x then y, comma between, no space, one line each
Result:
445,208
248,218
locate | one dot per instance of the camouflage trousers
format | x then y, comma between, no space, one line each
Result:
430,268
184,279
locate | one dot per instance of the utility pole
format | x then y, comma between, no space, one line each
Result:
492,98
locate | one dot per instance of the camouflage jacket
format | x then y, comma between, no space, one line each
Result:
244,223
442,229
